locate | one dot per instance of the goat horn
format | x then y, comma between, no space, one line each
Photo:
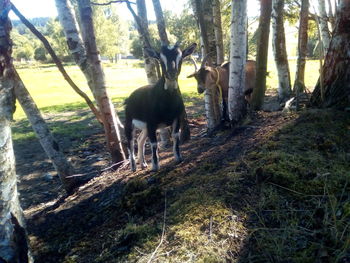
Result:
205,59
177,44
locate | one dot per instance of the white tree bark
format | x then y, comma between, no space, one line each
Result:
279,50
13,241
109,116
323,20
238,53
86,56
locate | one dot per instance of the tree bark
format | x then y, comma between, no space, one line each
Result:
262,54
204,12
150,64
299,85
219,42
109,116
323,20
279,50
238,53
47,141
87,58
13,241
160,22
336,69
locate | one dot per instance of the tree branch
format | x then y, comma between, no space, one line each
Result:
112,2
57,61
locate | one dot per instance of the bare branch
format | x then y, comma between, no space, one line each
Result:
112,2
57,61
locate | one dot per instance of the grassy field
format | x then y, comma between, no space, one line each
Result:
52,93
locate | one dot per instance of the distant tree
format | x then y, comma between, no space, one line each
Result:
182,27
86,57
111,34
299,84
13,241
334,90
262,54
54,33
238,54
280,51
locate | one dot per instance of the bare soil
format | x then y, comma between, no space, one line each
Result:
56,222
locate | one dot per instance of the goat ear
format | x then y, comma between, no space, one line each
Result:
151,53
189,50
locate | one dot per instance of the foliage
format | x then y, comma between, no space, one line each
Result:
183,27
111,32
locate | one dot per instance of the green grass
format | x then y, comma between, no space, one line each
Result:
52,93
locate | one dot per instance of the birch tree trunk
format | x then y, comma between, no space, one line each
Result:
323,20
150,65
204,12
238,54
279,50
109,117
47,141
13,241
335,91
299,85
160,22
219,42
87,58
262,54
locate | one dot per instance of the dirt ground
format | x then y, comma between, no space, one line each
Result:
89,211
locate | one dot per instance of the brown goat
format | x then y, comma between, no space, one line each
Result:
209,77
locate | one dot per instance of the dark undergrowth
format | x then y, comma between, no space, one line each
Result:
284,197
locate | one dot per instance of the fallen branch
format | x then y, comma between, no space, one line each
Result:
57,62
163,234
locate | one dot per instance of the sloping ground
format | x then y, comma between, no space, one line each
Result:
275,190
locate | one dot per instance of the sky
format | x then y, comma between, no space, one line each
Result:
47,8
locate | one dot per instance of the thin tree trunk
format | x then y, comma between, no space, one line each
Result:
262,54
150,65
336,69
218,32
205,22
109,116
160,22
326,36
86,57
13,241
299,85
47,141
238,53
279,50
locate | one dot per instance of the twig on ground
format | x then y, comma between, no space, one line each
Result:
163,234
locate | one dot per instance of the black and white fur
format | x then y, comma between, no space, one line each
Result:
156,106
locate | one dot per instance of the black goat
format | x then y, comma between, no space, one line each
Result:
156,106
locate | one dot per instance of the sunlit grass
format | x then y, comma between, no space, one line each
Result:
52,93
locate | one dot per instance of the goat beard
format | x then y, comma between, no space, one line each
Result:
170,84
